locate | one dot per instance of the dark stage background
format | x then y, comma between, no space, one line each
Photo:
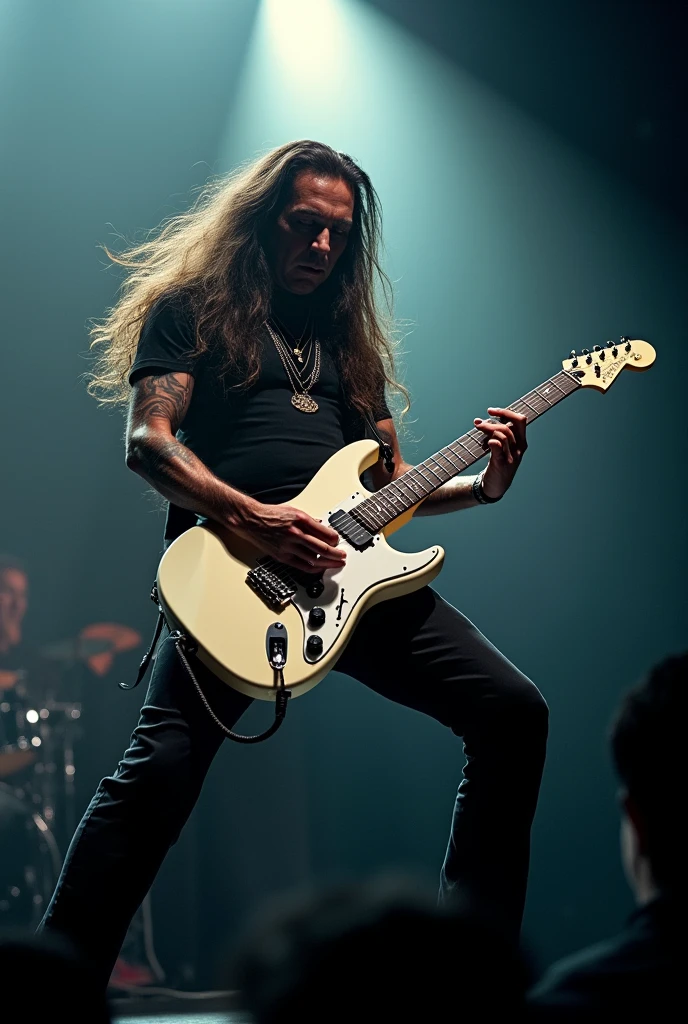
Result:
530,162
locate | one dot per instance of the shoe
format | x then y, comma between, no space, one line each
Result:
127,975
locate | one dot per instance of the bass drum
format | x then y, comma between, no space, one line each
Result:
29,862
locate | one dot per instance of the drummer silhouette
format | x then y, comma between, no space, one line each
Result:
14,595
39,712
34,676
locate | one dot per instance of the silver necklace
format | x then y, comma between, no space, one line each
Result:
303,352
285,351
299,348
301,400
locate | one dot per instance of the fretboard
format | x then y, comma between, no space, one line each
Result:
411,487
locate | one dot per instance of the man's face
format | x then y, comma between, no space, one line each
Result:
310,233
14,589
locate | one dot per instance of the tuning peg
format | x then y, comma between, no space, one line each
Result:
574,357
597,370
596,348
588,359
585,351
627,346
601,353
610,344
615,352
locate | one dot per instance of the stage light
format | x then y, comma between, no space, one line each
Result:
306,35
32,716
297,69
36,741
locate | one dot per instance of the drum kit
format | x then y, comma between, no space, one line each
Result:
38,729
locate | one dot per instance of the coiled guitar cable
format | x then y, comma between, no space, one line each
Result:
185,647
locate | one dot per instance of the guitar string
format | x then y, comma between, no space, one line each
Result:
380,507
375,504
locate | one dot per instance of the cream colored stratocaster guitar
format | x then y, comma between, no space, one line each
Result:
261,626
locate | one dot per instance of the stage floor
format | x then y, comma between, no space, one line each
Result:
159,1010
183,1018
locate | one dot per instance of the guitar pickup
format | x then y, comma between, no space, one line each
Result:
350,529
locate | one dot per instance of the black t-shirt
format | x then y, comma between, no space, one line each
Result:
252,438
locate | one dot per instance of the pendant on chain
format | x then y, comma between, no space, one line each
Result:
304,402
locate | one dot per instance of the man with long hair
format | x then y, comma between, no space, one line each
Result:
249,345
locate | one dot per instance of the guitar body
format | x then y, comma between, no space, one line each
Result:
203,588
239,607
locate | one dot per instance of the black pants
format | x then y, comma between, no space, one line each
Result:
431,659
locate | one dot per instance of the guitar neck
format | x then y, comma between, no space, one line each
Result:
417,483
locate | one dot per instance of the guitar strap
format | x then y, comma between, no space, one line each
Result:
148,656
386,453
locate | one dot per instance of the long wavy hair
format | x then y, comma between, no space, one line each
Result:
214,255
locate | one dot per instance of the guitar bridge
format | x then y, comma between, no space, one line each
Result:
272,582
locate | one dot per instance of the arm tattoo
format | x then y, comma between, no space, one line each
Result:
156,459
176,450
161,395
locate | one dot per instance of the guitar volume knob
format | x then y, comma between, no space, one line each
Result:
316,617
314,646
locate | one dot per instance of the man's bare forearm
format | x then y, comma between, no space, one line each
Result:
180,476
453,496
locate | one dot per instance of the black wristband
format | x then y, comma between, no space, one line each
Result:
479,493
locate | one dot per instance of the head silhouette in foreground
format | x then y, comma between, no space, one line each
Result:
380,951
641,969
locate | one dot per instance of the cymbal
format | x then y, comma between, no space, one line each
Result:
96,646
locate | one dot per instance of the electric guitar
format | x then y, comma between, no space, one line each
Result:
261,626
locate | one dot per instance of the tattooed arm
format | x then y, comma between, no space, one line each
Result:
157,407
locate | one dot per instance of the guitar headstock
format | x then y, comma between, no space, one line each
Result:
600,368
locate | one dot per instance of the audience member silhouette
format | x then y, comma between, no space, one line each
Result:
640,971
43,979
380,951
